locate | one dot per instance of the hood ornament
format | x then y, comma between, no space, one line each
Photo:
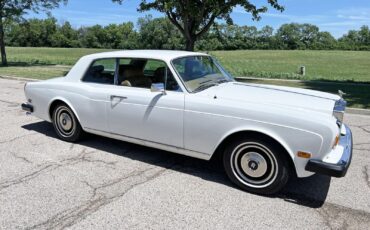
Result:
341,93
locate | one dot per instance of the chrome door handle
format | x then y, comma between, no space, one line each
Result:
120,97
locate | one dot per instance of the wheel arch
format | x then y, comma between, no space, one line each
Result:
58,100
258,134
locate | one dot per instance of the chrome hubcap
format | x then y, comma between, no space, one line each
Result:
65,121
254,165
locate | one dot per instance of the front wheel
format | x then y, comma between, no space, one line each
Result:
66,124
256,165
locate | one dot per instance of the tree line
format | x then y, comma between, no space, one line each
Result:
160,33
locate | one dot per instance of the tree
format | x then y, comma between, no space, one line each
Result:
290,37
195,17
93,37
158,33
65,36
15,9
356,40
122,36
325,41
265,36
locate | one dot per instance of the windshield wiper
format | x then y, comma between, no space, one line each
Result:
222,81
204,86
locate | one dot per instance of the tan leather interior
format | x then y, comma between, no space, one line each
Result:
130,76
126,83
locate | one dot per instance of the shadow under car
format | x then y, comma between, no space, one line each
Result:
309,192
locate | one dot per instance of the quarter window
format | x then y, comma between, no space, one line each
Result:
101,71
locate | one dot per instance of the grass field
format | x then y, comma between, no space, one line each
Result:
357,94
337,68
320,65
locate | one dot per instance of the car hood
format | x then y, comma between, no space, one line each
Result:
275,96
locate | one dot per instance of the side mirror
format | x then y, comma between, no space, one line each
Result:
158,87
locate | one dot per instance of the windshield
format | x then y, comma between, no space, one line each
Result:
200,72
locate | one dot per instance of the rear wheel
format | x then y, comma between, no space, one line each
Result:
66,124
256,165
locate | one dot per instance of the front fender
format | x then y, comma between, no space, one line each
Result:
291,139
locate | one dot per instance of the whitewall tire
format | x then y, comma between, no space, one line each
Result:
256,165
66,124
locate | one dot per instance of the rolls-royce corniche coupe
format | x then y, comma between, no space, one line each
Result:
186,103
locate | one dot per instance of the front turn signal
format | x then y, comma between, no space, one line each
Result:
336,141
304,154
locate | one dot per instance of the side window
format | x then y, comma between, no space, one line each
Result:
101,71
157,69
152,65
143,73
131,73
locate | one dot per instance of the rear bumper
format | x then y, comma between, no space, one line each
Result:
27,107
340,168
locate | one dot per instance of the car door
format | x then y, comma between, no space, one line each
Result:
151,116
95,98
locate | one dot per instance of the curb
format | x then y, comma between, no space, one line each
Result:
348,110
267,79
365,112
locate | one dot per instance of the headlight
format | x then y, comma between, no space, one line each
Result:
339,109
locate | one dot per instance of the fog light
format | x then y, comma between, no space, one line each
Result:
304,154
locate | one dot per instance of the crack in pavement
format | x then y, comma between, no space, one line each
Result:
10,102
364,143
10,110
360,149
341,217
81,157
362,127
102,195
366,175
28,177
16,138
15,155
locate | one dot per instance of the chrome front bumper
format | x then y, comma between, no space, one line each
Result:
338,169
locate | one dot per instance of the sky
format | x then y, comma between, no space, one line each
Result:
334,16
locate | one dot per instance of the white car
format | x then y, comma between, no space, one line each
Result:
186,103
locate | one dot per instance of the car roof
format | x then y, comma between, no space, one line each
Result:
166,55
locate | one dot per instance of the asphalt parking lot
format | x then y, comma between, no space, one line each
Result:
101,183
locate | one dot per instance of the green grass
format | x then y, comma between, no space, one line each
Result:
42,72
323,65
42,63
357,95
47,56
337,68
